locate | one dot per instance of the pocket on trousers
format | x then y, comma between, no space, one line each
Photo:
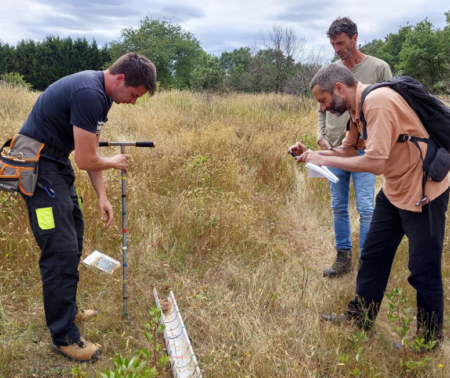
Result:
45,219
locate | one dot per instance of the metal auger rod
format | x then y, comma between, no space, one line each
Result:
124,238
124,216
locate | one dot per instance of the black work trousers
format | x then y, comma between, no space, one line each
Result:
58,227
389,225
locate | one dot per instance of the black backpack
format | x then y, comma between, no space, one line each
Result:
435,117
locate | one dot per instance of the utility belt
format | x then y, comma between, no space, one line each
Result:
53,151
19,164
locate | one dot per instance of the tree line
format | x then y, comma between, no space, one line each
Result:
420,51
279,62
42,63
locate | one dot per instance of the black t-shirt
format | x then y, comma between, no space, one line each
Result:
75,100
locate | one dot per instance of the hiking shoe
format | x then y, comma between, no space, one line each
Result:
82,351
334,318
341,266
85,315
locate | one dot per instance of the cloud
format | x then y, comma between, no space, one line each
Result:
220,26
219,39
182,12
99,19
304,12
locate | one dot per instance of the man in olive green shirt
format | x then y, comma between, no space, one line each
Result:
343,34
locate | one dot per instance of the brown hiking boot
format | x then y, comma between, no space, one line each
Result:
342,265
84,316
82,351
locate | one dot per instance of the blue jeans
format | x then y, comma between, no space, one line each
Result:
364,184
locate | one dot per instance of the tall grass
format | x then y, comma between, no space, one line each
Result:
219,213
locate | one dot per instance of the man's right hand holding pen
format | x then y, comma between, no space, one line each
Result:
300,152
336,158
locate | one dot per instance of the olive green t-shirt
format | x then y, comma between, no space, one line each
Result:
370,71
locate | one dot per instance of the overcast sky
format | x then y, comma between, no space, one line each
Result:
219,25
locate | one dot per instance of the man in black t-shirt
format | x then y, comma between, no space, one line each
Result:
68,116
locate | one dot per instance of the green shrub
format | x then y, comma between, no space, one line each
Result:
15,78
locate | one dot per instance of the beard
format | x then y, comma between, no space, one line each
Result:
345,54
338,105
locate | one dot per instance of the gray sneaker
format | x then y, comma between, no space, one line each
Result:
334,318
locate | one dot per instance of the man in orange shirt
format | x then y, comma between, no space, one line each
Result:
399,210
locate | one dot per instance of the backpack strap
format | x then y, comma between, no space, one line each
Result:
431,152
396,84
348,129
402,137
408,138
366,91
355,146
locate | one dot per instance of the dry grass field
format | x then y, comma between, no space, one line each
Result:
219,213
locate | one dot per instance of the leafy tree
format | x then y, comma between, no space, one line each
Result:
420,51
283,47
445,83
42,63
271,68
298,83
94,55
79,54
26,63
241,57
393,46
372,48
423,54
208,74
7,58
389,49
275,63
54,60
237,65
174,51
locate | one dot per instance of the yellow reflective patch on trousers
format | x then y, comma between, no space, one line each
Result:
80,201
45,218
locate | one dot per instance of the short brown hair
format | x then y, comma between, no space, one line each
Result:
342,25
138,70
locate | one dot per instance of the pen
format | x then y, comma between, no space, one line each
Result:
296,157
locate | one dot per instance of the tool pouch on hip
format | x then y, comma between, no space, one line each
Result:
440,166
19,164
436,163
